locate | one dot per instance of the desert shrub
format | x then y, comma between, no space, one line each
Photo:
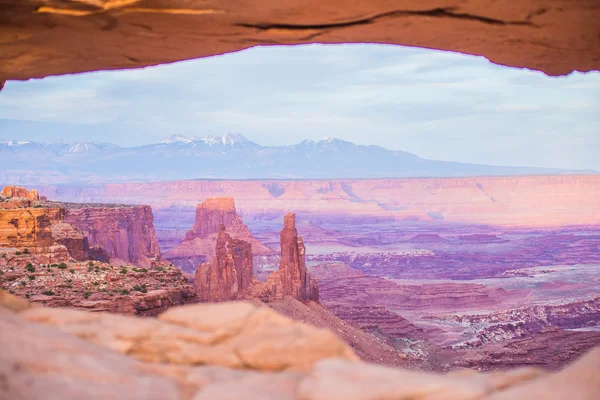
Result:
123,270
48,293
87,294
141,288
23,283
62,265
27,295
72,271
31,277
26,251
96,283
18,253
124,291
30,268
91,263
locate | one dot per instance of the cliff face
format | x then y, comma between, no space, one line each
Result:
28,227
221,280
125,233
200,241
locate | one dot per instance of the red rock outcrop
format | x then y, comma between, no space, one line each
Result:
292,278
19,192
230,271
200,241
126,233
295,279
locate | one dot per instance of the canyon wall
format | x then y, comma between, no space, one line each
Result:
126,233
552,200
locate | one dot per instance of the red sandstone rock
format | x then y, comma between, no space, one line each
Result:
74,240
126,233
19,192
199,243
295,279
230,271
292,277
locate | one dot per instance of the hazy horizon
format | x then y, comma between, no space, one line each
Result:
438,105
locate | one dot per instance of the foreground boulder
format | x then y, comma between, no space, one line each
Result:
230,351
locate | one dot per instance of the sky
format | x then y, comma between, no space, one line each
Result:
438,105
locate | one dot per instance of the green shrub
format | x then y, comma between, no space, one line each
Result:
124,291
123,270
62,265
48,293
31,277
27,295
30,268
72,271
91,264
18,253
23,283
87,294
26,251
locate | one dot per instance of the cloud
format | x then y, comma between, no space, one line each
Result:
438,105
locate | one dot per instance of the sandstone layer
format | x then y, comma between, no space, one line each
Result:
231,350
198,245
556,37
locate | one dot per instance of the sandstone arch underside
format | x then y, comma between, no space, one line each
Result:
51,37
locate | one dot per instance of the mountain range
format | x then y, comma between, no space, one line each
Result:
224,157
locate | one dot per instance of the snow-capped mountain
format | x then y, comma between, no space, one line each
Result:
231,156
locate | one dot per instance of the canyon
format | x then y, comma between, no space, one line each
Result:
419,287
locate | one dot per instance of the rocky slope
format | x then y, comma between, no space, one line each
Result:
96,286
199,242
231,350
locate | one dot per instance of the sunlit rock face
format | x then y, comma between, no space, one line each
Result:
535,34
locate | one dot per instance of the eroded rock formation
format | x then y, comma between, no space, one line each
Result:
229,272
231,350
126,233
19,192
293,276
200,241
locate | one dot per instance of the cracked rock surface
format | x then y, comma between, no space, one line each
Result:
51,37
231,351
